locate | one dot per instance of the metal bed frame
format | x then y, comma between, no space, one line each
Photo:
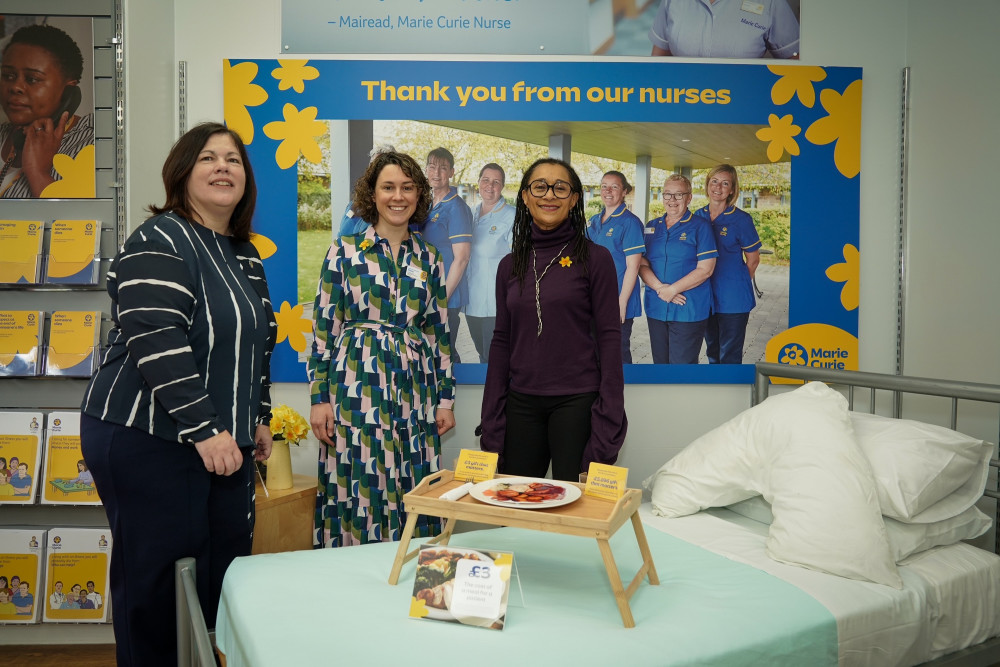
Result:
981,655
195,647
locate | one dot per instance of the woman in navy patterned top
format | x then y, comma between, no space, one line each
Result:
180,406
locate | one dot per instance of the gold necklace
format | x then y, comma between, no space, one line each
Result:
538,282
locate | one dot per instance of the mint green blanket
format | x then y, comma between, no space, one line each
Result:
336,607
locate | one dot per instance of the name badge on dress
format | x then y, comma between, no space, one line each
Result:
752,7
649,230
416,273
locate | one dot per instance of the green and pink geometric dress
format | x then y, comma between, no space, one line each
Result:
381,357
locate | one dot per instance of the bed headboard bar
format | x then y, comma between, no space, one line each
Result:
898,385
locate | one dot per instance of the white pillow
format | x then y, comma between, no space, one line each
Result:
905,539
798,451
925,473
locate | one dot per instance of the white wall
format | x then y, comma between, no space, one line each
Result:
953,305
940,41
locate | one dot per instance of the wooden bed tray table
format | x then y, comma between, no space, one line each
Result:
587,517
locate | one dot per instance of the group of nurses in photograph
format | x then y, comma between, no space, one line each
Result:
698,267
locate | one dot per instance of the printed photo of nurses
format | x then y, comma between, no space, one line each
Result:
701,249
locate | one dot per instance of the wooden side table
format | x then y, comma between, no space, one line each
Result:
285,520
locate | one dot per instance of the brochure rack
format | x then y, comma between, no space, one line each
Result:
587,517
37,287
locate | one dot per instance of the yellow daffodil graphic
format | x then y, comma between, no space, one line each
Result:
504,562
779,134
566,261
418,608
848,272
240,92
795,80
77,174
265,246
293,326
843,125
294,74
364,245
298,134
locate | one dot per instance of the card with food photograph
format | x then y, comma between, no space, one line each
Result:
459,585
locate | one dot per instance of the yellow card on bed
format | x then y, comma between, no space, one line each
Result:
604,481
475,466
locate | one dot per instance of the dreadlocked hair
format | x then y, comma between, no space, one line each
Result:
521,245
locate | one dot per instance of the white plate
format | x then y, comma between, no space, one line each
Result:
445,614
479,492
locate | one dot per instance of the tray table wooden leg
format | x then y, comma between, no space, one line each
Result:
616,583
647,555
404,544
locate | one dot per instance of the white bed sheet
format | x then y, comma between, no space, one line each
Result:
949,599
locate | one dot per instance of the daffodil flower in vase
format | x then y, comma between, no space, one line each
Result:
288,427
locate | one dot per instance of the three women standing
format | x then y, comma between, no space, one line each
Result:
380,368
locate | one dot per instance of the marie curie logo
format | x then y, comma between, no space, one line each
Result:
814,345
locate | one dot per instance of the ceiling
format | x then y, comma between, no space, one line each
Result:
671,145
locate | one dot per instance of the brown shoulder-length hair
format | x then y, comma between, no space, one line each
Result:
364,187
181,161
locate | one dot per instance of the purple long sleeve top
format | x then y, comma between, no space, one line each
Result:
579,350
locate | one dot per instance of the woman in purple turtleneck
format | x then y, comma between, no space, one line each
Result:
554,386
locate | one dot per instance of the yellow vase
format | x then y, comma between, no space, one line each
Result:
279,466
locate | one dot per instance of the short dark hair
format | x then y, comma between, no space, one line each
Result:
181,161
364,187
496,167
442,153
56,42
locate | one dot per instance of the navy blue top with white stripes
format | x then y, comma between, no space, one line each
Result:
189,355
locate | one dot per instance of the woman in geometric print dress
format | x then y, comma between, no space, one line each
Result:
380,370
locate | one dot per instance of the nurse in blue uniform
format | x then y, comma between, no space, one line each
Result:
732,281
725,29
620,231
492,232
679,260
449,229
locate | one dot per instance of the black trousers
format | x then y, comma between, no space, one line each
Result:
163,505
541,429
724,337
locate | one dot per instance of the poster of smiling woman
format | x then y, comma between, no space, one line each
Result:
647,120
47,104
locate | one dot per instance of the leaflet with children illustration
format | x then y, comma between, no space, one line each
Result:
21,574
77,566
20,453
67,480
